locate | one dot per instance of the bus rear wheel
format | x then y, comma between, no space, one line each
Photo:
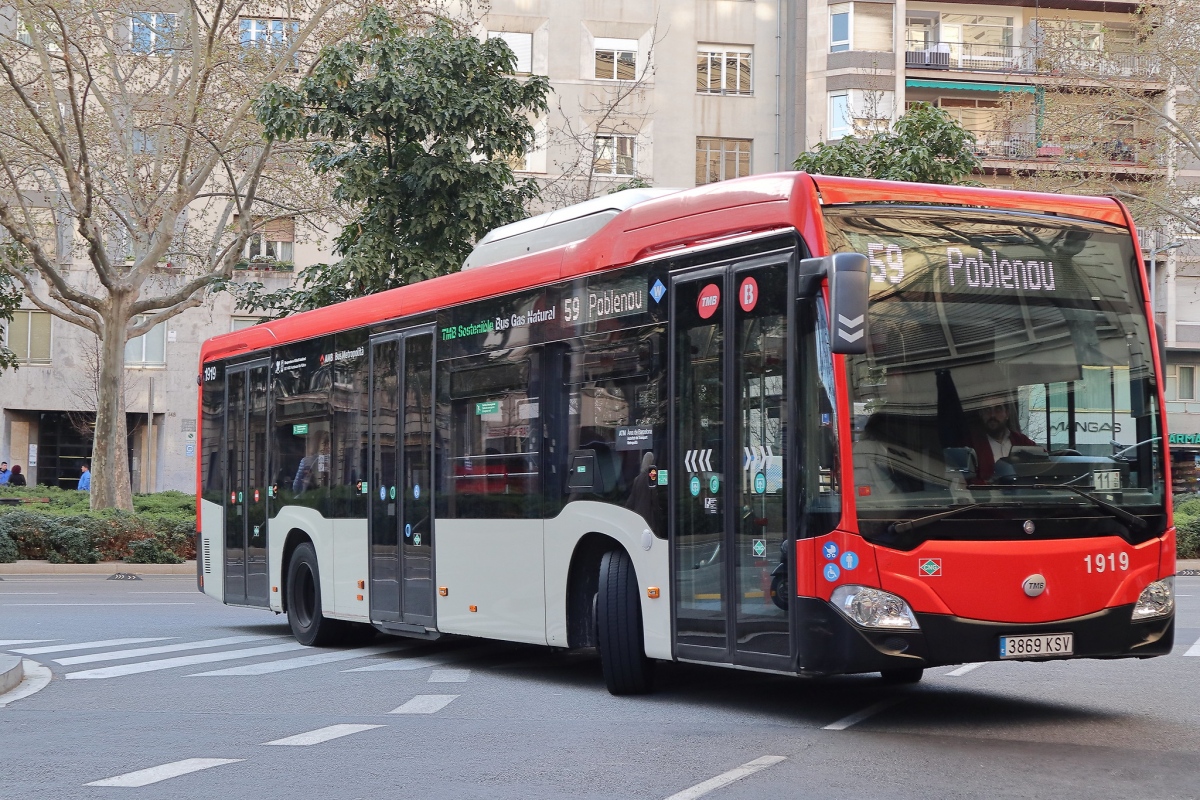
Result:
619,627
308,624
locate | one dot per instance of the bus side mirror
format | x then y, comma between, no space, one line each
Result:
848,303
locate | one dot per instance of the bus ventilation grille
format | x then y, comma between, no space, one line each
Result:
207,558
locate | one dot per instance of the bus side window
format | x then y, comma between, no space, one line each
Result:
495,432
615,391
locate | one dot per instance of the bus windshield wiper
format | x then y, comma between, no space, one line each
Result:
921,522
1134,521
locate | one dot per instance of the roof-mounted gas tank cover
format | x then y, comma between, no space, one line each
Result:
556,228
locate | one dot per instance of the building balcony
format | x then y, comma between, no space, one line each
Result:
1021,60
1068,151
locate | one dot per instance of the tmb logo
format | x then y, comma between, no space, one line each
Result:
709,301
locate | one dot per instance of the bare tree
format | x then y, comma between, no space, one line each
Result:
593,141
1122,115
133,169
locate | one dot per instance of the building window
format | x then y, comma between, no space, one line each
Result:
257,32
616,59
149,349
839,28
151,32
272,242
29,337
840,123
522,45
241,323
860,26
720,71
614,156
1187,383
721,159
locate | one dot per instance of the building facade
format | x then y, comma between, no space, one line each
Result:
677,94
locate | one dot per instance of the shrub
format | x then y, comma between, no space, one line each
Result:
70,543
8,549
152,551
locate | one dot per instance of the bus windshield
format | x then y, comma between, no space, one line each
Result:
1008,377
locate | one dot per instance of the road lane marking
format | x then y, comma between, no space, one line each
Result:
24,594
858,716
1194,650
321,735
145,777
965,668
726,778
59,648
91,605
7,642
115,655
282,665
450,676
421,662
425,704
138,667
37,677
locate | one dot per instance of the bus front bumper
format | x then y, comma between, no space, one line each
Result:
830,644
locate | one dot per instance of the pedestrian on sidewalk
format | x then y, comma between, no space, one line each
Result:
85,480
17,478
4,473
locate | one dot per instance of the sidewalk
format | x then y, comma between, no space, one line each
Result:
103,568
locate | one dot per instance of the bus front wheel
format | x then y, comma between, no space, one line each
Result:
619,627
308,624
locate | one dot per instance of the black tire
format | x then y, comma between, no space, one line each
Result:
619,628
905,675
309,626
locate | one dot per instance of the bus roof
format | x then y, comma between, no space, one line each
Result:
755,204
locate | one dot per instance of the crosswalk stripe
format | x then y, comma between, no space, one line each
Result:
115,655
282,665
965,668
421,662
59,648
425,704
321,735
450,676
138,667
7,642
145,777
1194,650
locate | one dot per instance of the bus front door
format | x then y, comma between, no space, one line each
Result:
246,577
401,444
729,520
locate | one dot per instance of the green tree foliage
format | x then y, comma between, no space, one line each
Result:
10,301
925,145
419,126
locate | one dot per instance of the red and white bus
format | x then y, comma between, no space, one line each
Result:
789,423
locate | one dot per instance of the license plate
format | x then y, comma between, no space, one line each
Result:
1041,644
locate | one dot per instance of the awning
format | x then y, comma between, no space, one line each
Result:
963,86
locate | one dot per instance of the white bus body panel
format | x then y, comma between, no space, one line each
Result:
350,549
652,567
212,548
495,565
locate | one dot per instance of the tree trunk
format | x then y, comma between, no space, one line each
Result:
110,459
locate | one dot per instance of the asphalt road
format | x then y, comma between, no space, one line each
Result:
476,719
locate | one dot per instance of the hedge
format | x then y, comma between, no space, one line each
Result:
1187,527
160,530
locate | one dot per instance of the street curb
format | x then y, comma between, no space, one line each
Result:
30,567
11,673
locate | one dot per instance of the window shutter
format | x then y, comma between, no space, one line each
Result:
873,27
280,230
521,44
39,337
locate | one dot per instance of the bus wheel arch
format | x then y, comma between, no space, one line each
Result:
294,539
583,583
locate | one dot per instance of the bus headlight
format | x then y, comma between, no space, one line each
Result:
1157,600
873,608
